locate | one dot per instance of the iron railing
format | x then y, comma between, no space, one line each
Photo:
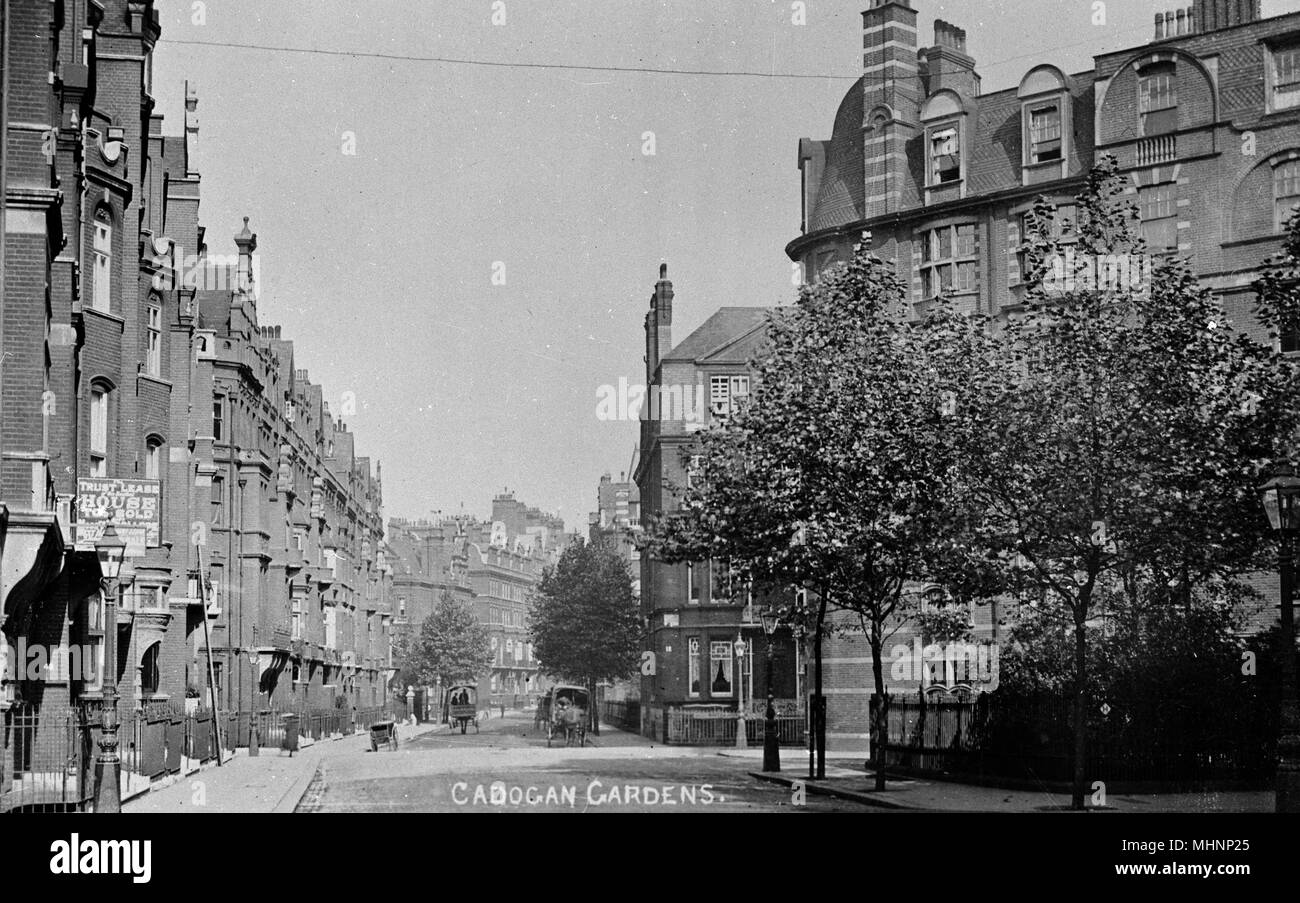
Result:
719,727
47,753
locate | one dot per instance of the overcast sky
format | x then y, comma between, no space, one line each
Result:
380,264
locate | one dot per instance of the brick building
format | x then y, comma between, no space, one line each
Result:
1204,121
694,612
616,520
495,566
138,385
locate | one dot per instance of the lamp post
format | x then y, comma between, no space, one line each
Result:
111,551
771,742
742,741
1281,498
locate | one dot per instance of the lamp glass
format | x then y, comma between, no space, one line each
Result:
111,551
769,619
1271,507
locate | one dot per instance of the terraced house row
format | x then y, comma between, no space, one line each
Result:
140,388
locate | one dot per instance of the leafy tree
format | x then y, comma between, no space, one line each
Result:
1120,446
451,646
584,622
840,476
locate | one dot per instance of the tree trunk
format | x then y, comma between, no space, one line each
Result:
881,720
1080,704
595,708
819,704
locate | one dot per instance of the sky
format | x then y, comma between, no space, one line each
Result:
469,250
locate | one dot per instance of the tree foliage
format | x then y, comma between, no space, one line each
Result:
451,646
584,621
1121,439
841,475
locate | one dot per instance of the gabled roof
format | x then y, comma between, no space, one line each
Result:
726,327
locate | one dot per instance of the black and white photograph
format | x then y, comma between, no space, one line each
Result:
430,407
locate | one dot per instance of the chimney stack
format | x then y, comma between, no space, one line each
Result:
658,323
191,126
890,79
246,241
947,65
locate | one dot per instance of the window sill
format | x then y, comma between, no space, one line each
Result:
158,380
103,314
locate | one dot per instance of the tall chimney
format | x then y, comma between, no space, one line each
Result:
659,323
890,78
191,126
947,65
246,241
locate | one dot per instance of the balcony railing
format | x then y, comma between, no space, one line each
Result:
1156,149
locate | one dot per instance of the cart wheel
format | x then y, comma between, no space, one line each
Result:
392,743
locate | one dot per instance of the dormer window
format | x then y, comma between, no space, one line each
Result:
1284,75
1045,134
945,156
1158,99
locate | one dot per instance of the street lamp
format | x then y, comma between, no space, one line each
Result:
1281,498
741,740
111,551
771,742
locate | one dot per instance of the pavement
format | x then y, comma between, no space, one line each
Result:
507,766
272,781
857,784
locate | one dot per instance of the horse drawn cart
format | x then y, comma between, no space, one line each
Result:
383,733
462,707
566,714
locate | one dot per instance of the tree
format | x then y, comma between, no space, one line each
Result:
1119,448
584,621
840,476
451,646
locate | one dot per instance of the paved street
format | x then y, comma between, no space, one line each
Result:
508,767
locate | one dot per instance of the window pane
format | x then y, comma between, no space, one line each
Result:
945,244
693,666
1286,180
720,669
1157,91
1286,67
719,396
1044,125
966,277
966,241
98,421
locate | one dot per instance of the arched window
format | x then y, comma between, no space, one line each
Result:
149,670
153,458
103,282
1158,98
99,431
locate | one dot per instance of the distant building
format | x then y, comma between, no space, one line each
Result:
494,566
616,521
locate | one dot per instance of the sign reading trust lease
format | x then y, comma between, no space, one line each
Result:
132,505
